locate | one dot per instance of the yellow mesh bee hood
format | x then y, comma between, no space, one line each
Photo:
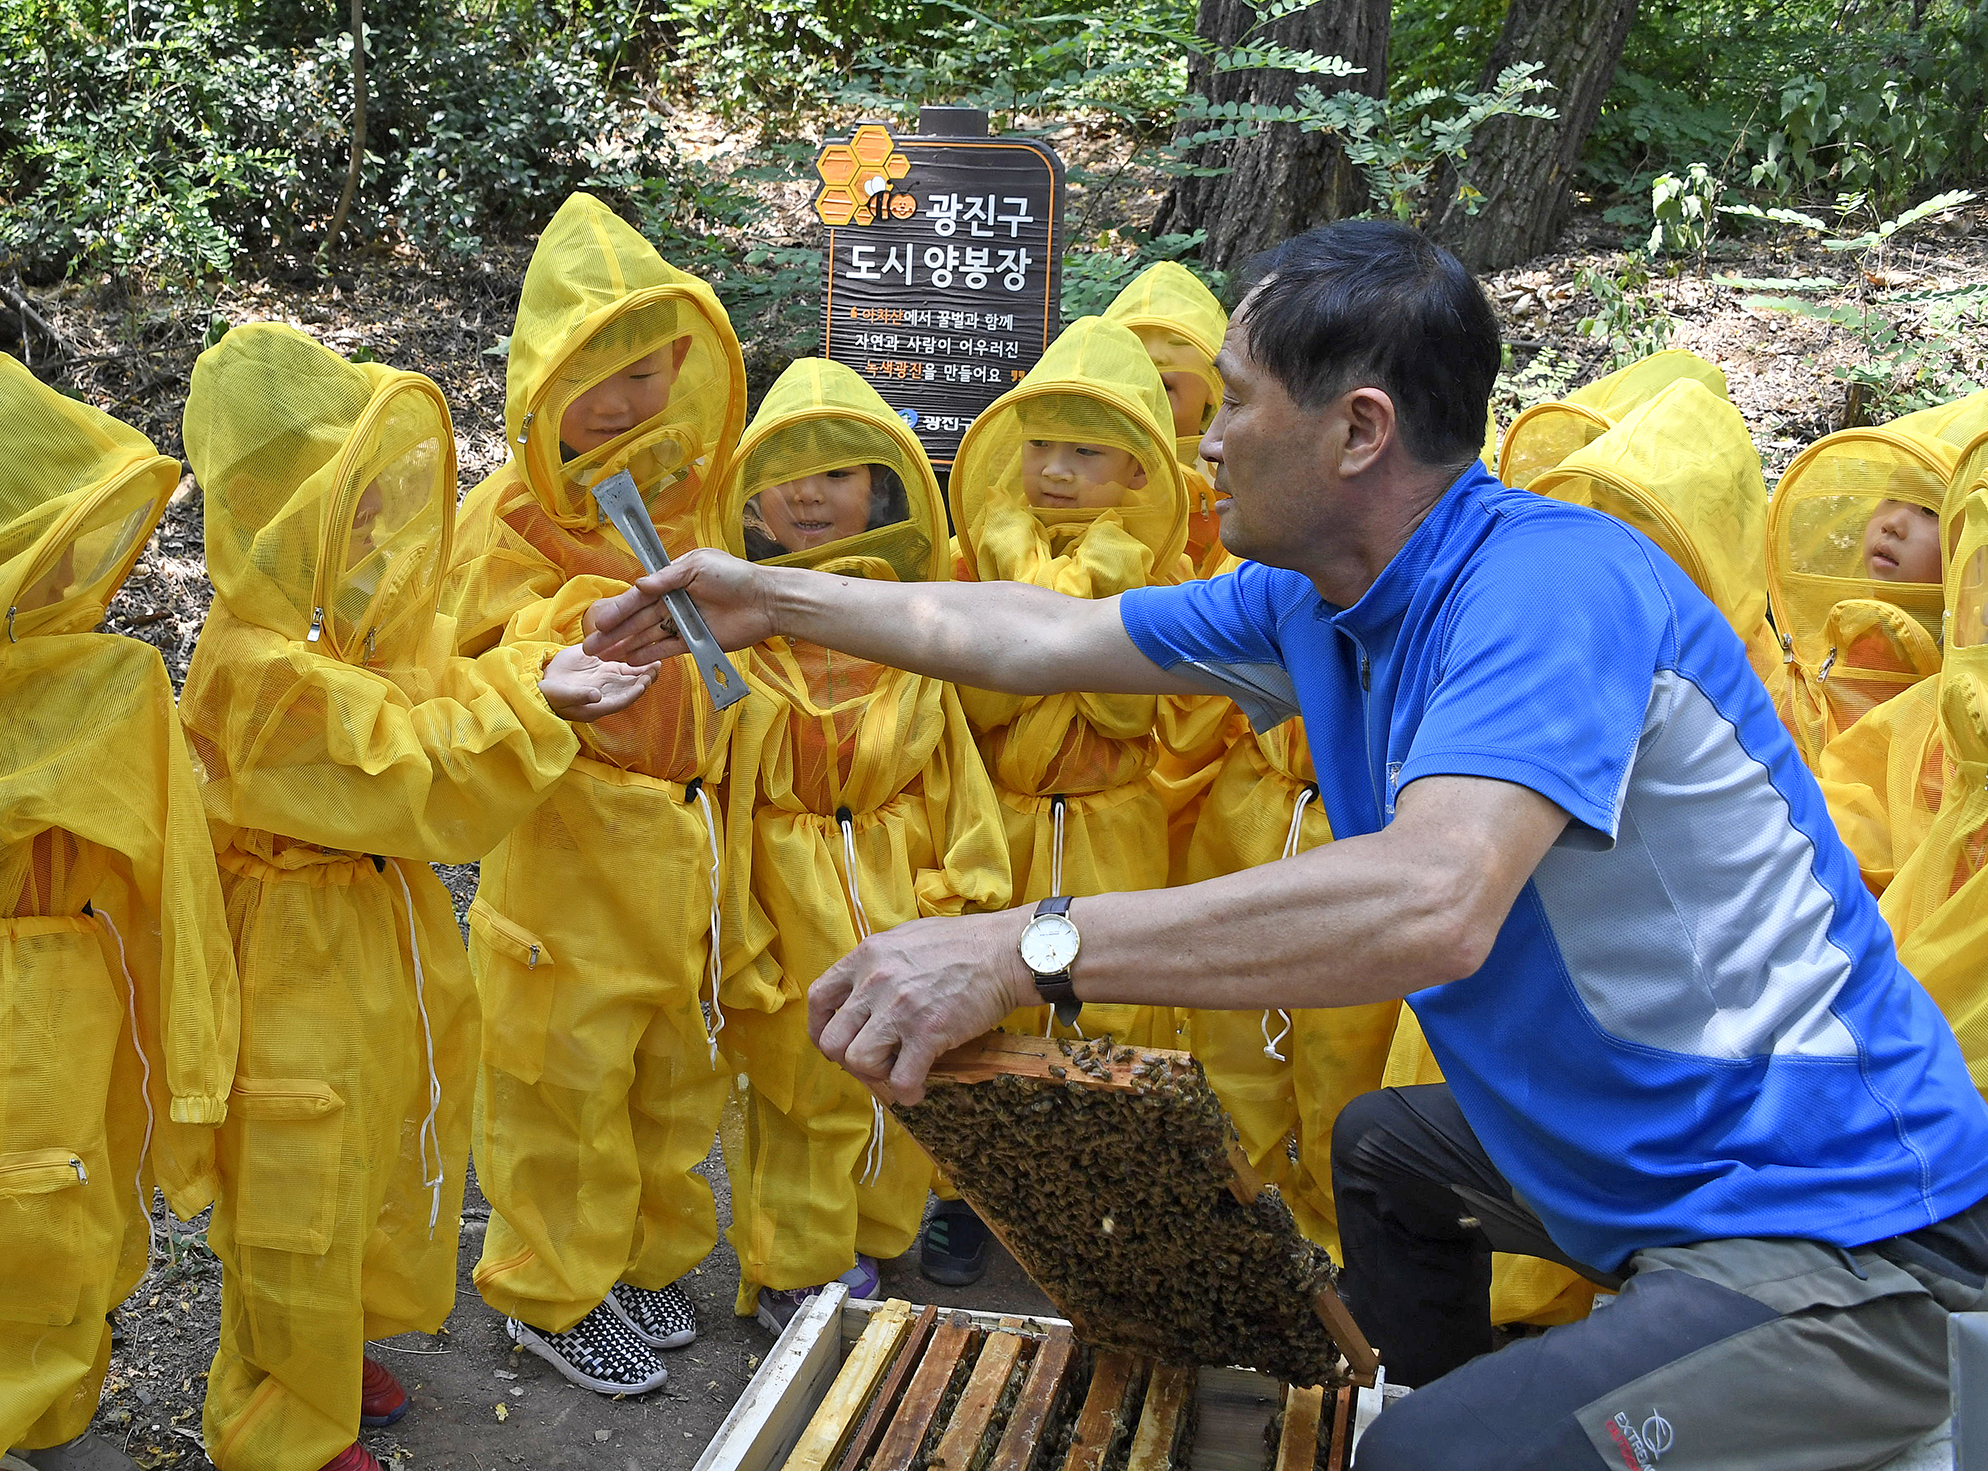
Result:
330,492
79,496
1179,321
1095,386
821,417
597,299
1547,433
1937,904
1681,469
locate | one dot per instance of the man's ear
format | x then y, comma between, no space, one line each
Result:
1370,430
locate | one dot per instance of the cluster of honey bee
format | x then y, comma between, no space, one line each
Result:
1118,1201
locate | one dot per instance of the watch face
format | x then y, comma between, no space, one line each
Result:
1049,944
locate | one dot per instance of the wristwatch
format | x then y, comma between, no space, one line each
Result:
1048,946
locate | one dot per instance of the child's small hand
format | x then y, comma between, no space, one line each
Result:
580,687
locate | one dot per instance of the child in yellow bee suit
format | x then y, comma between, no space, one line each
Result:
1854,573
1069,481
1937,903
1545,434
1181,325
865,804
608,936
343,749
117,988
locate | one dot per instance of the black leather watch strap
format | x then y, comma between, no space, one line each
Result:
1057,988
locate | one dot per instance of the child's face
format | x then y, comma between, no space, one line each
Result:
1058,475
364,515
619,403
1902,543
817,509
1188,393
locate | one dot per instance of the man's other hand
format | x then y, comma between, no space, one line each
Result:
636,628
580,687
890,1007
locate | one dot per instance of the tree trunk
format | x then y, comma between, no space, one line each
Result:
1523,165
1280,181
358,126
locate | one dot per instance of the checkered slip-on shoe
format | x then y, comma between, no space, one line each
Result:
661,1317
600,1352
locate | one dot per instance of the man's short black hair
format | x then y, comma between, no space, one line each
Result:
1369,303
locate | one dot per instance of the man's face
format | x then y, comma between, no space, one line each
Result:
1273,487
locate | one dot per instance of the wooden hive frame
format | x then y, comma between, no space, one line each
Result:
1043,1068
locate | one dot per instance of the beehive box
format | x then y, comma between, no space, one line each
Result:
954,1390
1115,1179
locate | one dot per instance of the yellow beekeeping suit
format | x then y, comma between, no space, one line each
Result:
595,922
1547,433
1849,641
862,798
1072,770
343,748
1283,1076
1181,325
1937,904
117,989
1681,469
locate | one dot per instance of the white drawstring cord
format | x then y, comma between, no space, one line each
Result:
1306,797
715,1023
429,1135
138,1179
873,1155
1056,847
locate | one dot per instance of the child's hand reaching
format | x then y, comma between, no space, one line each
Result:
580,687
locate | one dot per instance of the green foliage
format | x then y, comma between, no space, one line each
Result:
1629,318
1399,144
1092,277
1901,364
211,131
1801,98
1684,210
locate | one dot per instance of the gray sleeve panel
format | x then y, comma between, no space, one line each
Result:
1263,692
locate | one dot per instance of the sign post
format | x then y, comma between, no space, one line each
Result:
942,269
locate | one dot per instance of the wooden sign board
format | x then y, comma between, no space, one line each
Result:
941,270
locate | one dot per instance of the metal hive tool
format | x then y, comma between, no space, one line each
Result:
622,504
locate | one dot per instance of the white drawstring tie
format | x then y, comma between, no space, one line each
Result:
429,1136
131,997
1307,796
715,1022
1056,804
873,1154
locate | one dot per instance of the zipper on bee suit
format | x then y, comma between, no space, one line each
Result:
873,1154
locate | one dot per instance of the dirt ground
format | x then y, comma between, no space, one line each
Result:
478,1405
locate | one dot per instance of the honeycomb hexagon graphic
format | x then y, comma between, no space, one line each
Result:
856,174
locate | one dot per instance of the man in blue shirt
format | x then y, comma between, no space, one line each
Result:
1680,1052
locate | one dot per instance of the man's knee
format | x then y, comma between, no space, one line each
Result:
1366,1120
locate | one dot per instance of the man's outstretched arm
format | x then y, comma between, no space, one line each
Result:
1368,918
993,635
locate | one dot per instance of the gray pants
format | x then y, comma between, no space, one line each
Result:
1744,1354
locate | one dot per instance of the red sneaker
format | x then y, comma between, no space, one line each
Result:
381,1399
354,1457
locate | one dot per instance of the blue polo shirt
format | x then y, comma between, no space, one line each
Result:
1693,1024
